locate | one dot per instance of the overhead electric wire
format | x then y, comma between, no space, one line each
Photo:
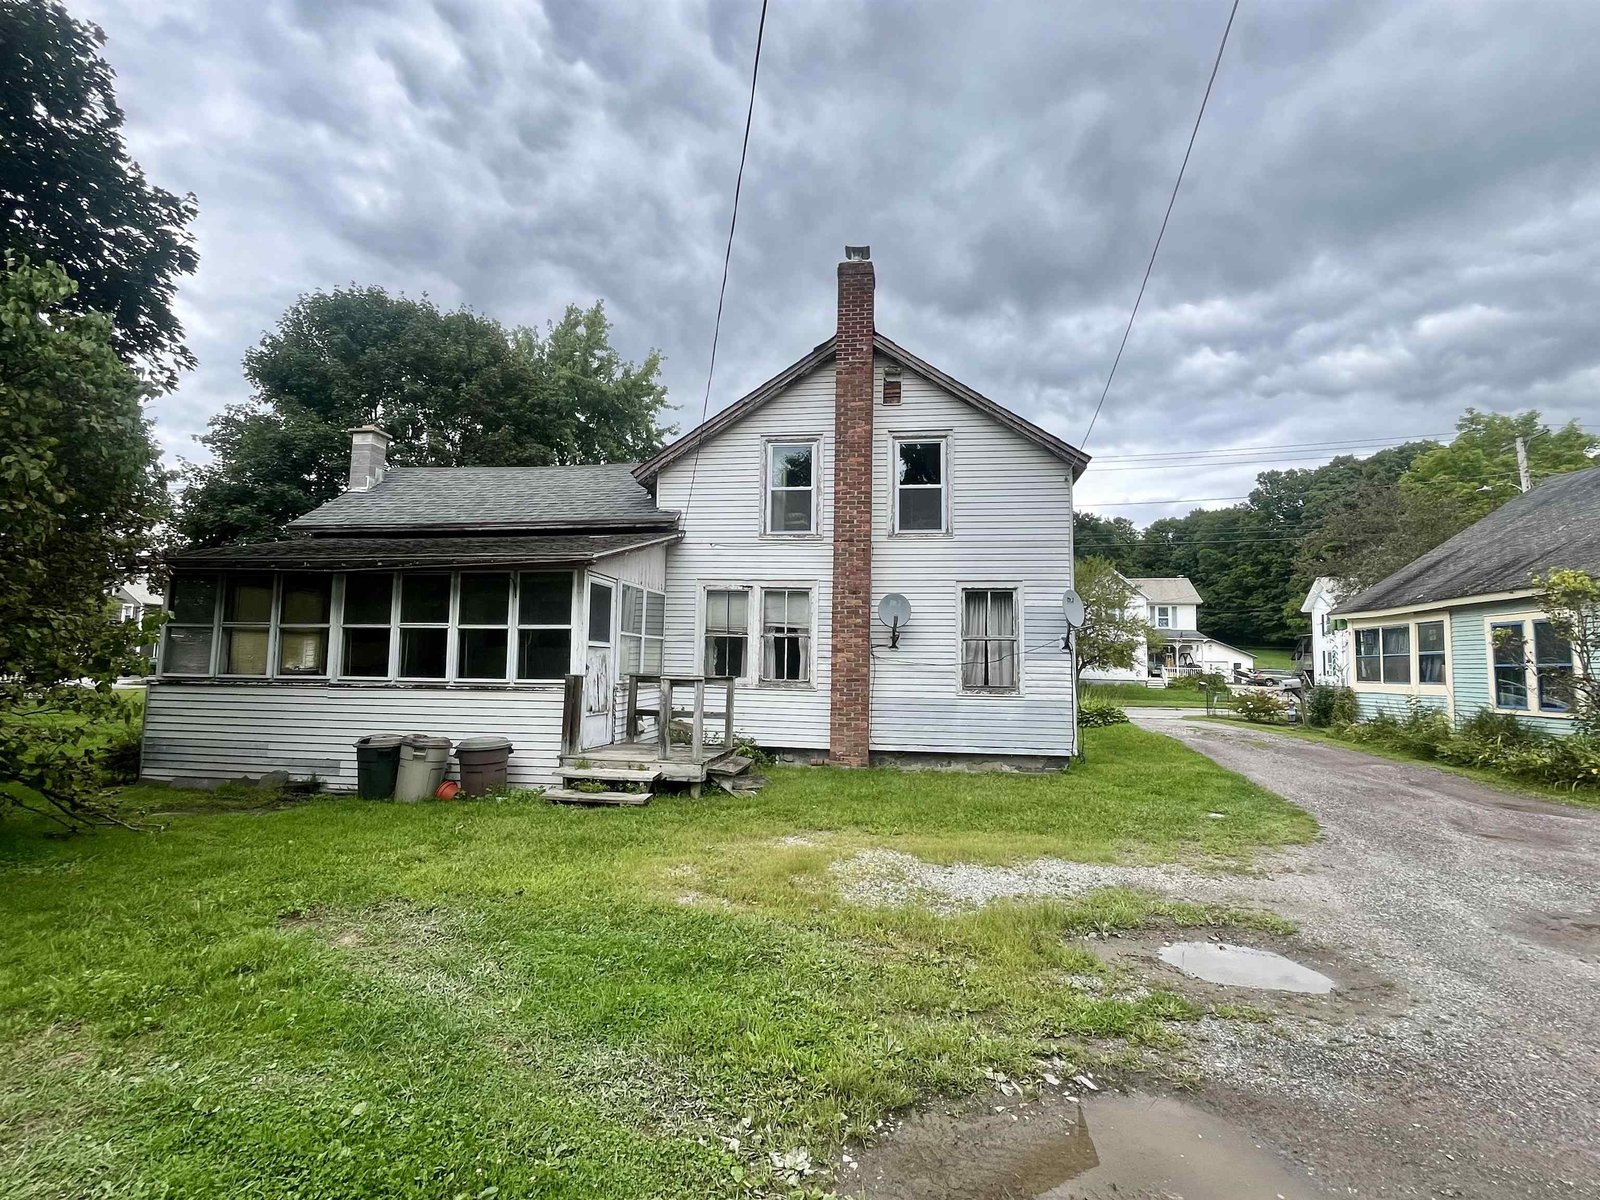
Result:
727,254
1156,249
1273,446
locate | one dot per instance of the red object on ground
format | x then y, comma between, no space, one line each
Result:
448,790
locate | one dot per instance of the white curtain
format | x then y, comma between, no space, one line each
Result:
989,639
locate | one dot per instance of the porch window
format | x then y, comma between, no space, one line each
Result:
368,618
304,609
1510,665
785,636
424,626
246,624
643,630
544,624
483,625
1430,652
791,487
1552,665
919,486
192,626
988,640
727,632
1383,654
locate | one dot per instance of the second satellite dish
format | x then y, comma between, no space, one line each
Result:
1072,608
894,610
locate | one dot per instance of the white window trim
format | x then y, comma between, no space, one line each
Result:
765,516
997,585
646,595
752,669
457,626
280,627
219,656
758,644
896,440
1530,673
518,624
1413,688
1164,616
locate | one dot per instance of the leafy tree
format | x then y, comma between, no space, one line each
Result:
1571,599
1112,634
1114,538
70,194
80,489
454,388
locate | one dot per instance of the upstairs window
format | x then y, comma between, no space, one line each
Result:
785,636
791,503
727,632
920,497
1163,616
988,640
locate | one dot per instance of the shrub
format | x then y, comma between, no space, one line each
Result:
1262,707
1488,741
1346,709
1092,714
1319,706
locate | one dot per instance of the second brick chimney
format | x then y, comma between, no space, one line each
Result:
850,714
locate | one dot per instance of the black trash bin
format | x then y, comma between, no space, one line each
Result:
377,763
483,764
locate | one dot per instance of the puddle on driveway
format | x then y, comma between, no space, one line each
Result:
1244,966
1126,1147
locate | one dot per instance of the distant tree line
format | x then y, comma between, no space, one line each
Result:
1355,519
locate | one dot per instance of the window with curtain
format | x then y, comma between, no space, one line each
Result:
791,487
246,624
191,626
544,624
305,606
920,486
785,636
727,632
1397,654
483,634
1430,652
366,619
1383,655
989,652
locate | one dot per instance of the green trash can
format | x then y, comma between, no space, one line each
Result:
423,760
377,763
483,764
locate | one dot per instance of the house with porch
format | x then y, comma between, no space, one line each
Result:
1171,605
1460,629
731,585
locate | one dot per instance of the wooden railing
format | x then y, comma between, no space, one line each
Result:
664,710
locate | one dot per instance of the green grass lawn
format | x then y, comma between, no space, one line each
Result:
1135,695
1272,658
343,998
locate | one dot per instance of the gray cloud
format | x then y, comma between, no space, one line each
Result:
1393,210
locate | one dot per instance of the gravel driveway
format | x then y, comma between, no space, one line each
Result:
1482,1075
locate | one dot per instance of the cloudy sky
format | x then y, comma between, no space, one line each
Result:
1392,212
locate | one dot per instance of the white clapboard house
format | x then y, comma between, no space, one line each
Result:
742,570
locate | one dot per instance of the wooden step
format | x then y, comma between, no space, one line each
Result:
612,773
569,796
729,764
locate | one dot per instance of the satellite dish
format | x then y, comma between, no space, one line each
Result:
894,610
1072,608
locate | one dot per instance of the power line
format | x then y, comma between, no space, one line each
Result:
1275,446
727,254
1195,132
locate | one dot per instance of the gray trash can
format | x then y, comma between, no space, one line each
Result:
423,759
483,763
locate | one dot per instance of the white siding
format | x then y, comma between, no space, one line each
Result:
1010,524
647,567
220,731
723,543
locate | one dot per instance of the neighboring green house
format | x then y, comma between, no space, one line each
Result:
1460,628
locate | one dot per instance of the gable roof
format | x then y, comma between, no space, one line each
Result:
1322,585
370,553
1557,524
1167,589
417,499
823,354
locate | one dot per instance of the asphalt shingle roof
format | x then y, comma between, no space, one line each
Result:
593,496
1557,524
372,553
1175,589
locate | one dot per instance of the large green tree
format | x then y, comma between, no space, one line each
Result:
1112,634
454,388
70,194
80,490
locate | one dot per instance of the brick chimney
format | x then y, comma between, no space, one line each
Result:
369,456
849,733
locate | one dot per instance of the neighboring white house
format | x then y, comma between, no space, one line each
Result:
133,600
544,603
1327,663
1172,604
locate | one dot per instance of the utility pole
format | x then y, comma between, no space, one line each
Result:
1522,464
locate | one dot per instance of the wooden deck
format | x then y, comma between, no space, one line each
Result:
681,765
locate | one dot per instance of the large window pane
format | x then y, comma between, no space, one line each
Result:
1369,656
303,652
422,653
791,487
727,632
786,636
188,651
482,654
632,609
485,599
655,614
367,599
791,465
922,510
544,653
1510,665
244,651
545,598
599,612
1397,654
1430,652
791,512
366,653
988,639
921,463
305,600
248,599
425,599
194,599
1552,658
